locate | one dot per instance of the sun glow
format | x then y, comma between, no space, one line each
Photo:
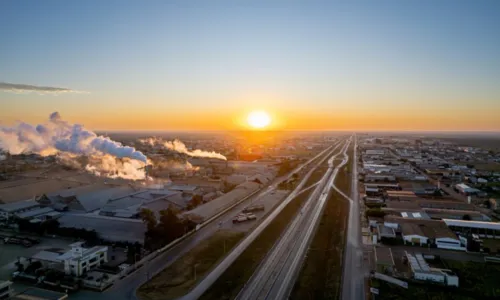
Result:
258,119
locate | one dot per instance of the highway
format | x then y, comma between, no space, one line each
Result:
276,275
205,284
353,277
127,287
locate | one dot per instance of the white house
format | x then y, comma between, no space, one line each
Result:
76,261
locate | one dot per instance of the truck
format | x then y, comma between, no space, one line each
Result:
16,241
252,208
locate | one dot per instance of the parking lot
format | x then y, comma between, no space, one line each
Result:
9,253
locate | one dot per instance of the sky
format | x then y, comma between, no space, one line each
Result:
204,65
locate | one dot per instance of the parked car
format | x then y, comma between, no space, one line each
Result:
252,208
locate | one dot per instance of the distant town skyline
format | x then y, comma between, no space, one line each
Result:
198,65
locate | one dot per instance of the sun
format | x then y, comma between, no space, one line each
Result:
258,119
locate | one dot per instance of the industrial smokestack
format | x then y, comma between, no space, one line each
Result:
58,137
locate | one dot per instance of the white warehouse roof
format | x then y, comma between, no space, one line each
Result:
472,224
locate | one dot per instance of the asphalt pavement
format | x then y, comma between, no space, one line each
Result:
353,277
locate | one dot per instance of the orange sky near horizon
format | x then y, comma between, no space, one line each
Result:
342,119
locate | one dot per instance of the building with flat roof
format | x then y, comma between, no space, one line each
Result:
76,261
426,232
86,198
384,259
439,214
482,229
5,289
465,189
418,187
9,210
187,189
400,195
421,270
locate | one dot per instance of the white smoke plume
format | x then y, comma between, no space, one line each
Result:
179,147
58,137
175,165
111,167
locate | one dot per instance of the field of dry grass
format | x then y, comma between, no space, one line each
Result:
177,279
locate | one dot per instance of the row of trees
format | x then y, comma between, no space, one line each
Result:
163,231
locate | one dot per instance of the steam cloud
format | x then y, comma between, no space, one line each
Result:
27,88
179,147
70,141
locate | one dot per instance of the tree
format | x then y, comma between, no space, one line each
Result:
437,193
149,218
170,225
487,203
195,201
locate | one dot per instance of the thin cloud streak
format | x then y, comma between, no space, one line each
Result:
27,88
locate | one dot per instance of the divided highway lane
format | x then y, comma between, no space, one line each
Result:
353,285
275,277
205,284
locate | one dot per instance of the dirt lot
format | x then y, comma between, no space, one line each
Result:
26,185
179,278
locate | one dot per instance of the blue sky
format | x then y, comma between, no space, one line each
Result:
176,57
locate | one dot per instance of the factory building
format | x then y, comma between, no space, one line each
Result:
422,271
465,189
76,261
482,229
9,210
421,232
